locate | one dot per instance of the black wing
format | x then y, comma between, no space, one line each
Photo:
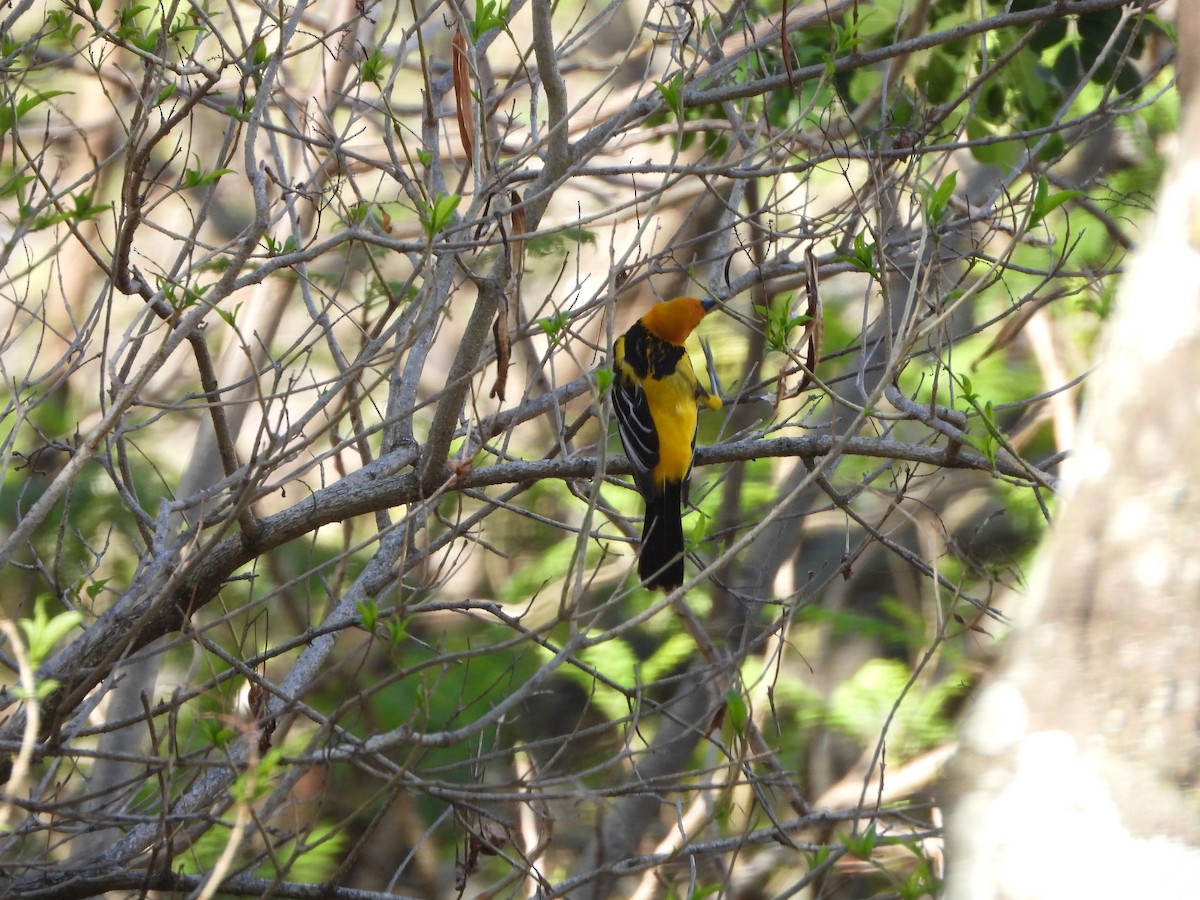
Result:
636,427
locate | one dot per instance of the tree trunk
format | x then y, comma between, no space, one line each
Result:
1080,761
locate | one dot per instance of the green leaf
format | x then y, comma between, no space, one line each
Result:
61,23
372,66
861,846
863,257
42,631
817,858
488,15
672,94
937,198
84,209
197,177
230,318
397,630
13,186
243,112
146,41
554,326
437,215
368,612
939,77
699,530
604,380
255,783
965,382
670,655
1002,153
1045,203
41,690
847,37
10,116
739,715
779,323
619,664
259,53
989,448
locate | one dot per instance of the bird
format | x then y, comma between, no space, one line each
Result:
656,398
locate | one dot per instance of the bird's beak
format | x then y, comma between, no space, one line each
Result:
709,304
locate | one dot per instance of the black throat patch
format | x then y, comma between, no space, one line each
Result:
648,355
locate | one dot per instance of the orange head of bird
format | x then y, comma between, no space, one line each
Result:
673,320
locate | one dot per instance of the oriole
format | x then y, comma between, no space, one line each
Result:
655,397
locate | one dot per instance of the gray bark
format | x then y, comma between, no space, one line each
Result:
1079,762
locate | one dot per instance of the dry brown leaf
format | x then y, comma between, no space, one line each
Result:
815,327
463,101
519,227
503,348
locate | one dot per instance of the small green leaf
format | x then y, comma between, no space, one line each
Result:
243,112
986,148
41,690
259,53
967,393
488,15
817,858
62,24
397,630
42,632
863,845
989,448
29,102
359,213
938,198
146,41
445,206
604,380
84,209
368,611
863,257
672,94
10,116
1045,203
13,186
437,215
738,713
218,735
197,177
554,326
779,323
230,318
373,66
252,784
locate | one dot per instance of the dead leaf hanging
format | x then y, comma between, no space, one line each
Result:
464,106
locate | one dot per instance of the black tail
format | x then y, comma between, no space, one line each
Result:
661,562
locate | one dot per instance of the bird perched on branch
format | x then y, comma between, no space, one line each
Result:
655,397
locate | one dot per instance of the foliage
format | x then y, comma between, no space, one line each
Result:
318,543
